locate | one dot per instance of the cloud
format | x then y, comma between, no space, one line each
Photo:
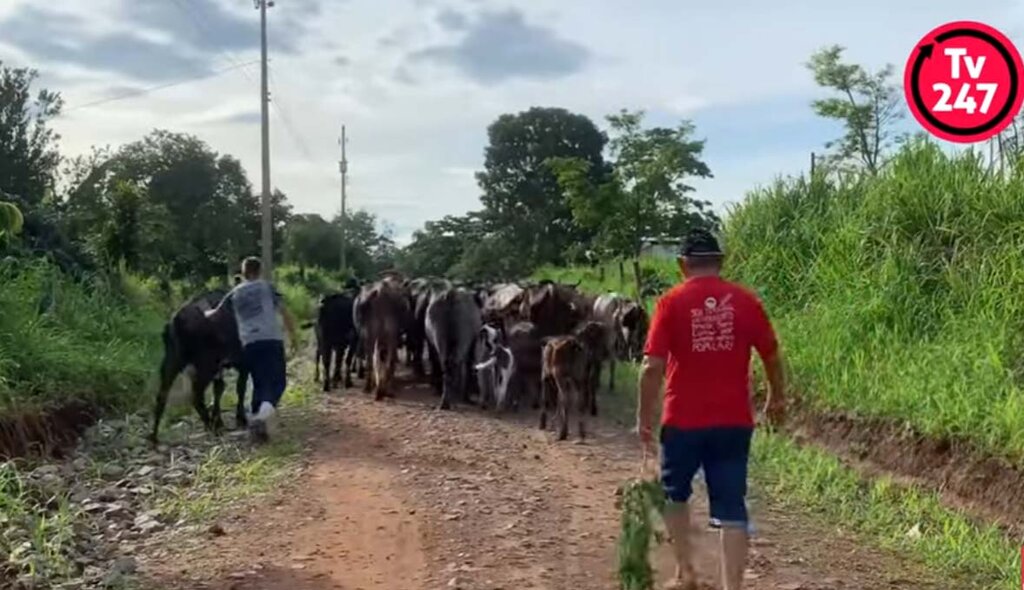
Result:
342,61
501,46
205,25
451,20
55,37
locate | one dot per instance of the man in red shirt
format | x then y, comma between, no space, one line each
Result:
701,338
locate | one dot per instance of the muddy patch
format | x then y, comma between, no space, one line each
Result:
44,432
967,478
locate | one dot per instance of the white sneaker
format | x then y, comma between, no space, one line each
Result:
266,410
268,415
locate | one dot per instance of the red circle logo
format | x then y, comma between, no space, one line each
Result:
963,82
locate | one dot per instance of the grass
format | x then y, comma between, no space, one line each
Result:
231,473
811,481
895,297
34,541
96,339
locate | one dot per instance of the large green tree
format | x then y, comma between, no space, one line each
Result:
310,240
440,245
521,195
28,146
647,195
193,210
868,104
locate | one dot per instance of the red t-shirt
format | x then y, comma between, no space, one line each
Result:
706,328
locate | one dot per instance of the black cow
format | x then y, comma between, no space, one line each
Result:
452,324
203,338
336,336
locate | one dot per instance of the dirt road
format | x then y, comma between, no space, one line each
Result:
398,496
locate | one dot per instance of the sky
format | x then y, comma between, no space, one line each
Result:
416,82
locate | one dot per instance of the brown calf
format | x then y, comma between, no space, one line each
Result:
562,382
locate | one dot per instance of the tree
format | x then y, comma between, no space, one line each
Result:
310,240
521,195
646,195
440,245
120,237
868,104
28,147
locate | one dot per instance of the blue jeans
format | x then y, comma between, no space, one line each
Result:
264,359
723,453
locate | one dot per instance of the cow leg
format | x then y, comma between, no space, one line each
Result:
349,352
417,358
240,387
316,363
392,362
325,357
446,386
461,382
339,358
436,374
545,390
360,358
583,405
378,369
368,363
169,370
200,381
565,392
611,375
594,384
218,393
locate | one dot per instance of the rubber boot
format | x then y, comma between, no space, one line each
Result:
734,557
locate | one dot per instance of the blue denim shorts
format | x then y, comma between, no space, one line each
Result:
723,454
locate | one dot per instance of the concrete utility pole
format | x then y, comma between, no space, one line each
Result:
267,233
343,167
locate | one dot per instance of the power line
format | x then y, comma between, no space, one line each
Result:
186,7
204,31
151,89
286,121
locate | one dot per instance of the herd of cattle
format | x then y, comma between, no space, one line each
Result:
541,345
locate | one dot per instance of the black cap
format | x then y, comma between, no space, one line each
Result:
700,242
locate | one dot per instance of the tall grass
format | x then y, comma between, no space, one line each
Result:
94,339
897,296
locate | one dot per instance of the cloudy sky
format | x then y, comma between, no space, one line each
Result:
416,82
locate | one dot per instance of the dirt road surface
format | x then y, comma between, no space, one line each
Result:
396,495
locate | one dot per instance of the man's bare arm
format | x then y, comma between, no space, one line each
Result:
289,324
652,373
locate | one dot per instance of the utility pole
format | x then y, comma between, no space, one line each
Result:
267,233
343,167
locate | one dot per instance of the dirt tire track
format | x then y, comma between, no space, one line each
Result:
399,496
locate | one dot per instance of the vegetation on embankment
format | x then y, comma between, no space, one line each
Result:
897,517
96,338
893,295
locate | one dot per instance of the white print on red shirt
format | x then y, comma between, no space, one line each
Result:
712,325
